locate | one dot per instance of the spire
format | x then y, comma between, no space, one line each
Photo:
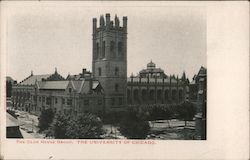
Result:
183,76
102,23
55,70
117,22
31,73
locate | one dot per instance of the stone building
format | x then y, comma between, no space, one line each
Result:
109,63
21,92
68,96
153,86
198,94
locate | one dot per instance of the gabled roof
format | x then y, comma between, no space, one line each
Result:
53,85
31,80
202,71
78,85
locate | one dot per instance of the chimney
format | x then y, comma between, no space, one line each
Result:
83,71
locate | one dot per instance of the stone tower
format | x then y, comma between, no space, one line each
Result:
109,64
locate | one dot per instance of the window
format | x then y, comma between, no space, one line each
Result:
43,99
112,46
116,71
86,102
99,101
69,101
97,48
120,47
55,100
48,100
103,49
99,71
120,101
63,101
112,101
116,87
70,90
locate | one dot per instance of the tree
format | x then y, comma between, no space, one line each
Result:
186,111
59,126
45,119
133,126
86,126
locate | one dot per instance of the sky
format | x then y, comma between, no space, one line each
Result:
44,37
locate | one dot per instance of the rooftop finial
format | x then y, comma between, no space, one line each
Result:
31,73
55,70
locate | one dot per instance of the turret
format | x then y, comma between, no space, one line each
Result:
102,22
117,22
125,23
107,21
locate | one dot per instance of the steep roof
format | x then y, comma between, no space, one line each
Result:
31,80
56,85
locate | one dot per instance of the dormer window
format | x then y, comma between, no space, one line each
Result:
70,90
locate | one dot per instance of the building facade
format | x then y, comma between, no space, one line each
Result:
21,92
68,97
109,62
109,88
153,86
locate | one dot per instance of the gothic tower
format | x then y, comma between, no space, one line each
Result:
109,64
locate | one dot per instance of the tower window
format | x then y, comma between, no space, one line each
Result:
112,46
99,71
103,49
116,87
112,49
120,49
116,71
97,49
120,101
112,101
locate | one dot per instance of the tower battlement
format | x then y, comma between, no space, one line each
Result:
108,24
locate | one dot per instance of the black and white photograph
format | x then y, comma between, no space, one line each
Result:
124,80
83,73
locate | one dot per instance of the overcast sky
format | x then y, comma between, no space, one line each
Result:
43,37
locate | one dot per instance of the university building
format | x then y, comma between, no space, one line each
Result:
153,86
107,88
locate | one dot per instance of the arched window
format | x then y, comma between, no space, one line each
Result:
116,71
112,46
120,49
144,95
166,95
159,94
97,50
103,49
180,95
174,95
99,71
151,95
128,96
116,87
136,95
